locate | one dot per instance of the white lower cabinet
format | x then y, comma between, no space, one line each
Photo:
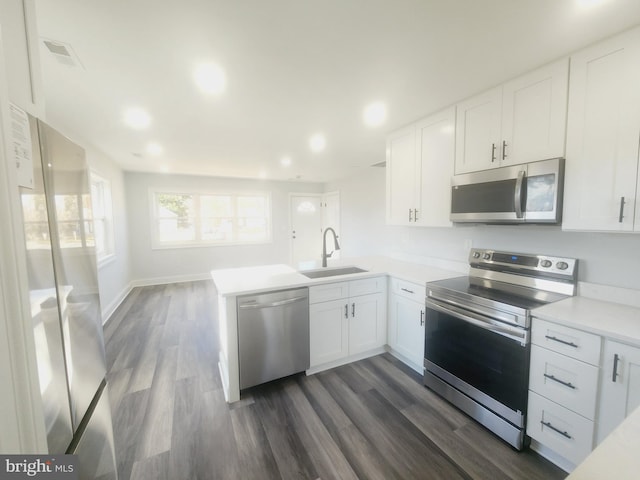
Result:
346,319
620,385
559,428
329,332
405,334
563,389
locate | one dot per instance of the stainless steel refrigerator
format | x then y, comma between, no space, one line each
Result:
65,303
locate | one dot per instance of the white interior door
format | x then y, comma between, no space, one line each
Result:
306,230
331,217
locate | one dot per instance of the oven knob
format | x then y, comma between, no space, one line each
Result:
546,263
476,254
562,265
486,256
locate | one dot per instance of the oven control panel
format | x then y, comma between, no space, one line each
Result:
544,264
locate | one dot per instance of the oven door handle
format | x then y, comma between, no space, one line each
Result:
516,334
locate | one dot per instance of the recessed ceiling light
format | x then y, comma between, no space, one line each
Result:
154,148
137,118
210,78
285,161
375,114
317,143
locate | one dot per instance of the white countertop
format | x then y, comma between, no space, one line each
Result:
617,457
612,320
249,280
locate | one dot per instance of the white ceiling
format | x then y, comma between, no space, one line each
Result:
293,67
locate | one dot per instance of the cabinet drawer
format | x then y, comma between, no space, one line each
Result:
328,292
559,429
409,290
568,341
564,380
366,286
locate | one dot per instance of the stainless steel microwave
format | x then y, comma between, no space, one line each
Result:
527,193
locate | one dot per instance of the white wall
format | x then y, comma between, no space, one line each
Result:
605,258
173,264
114,276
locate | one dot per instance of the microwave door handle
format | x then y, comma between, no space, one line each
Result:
517,196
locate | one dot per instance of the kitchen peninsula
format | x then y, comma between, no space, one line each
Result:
230,283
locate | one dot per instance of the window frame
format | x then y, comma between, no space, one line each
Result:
109,254
154,217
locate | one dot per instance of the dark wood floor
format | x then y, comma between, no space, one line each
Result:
371,419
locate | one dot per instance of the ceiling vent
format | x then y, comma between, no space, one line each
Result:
63,53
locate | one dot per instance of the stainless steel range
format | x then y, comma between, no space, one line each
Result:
477,340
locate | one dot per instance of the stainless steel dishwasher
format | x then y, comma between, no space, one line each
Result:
273,335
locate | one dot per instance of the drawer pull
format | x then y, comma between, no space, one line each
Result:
557,430
616,359
407,290
561,382
564,342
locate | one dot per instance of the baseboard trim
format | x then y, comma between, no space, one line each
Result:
109,310
552,456
343,361
147,282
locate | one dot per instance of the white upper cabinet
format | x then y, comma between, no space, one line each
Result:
401,175
534,115
419,168
435,147
20,41
521,121
602,137
478,132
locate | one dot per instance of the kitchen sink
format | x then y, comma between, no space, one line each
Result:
332,272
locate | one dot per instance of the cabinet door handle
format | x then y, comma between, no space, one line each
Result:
621,216
407,290
504,149
493,152
421,317
561,382
410,219
616,359
346,310
415,214
564,342
557,430
353,309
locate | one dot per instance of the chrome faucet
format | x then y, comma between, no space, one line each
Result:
326,255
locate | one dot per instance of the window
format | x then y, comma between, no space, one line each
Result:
102,217
184,219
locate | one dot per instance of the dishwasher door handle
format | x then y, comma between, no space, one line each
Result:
277,303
